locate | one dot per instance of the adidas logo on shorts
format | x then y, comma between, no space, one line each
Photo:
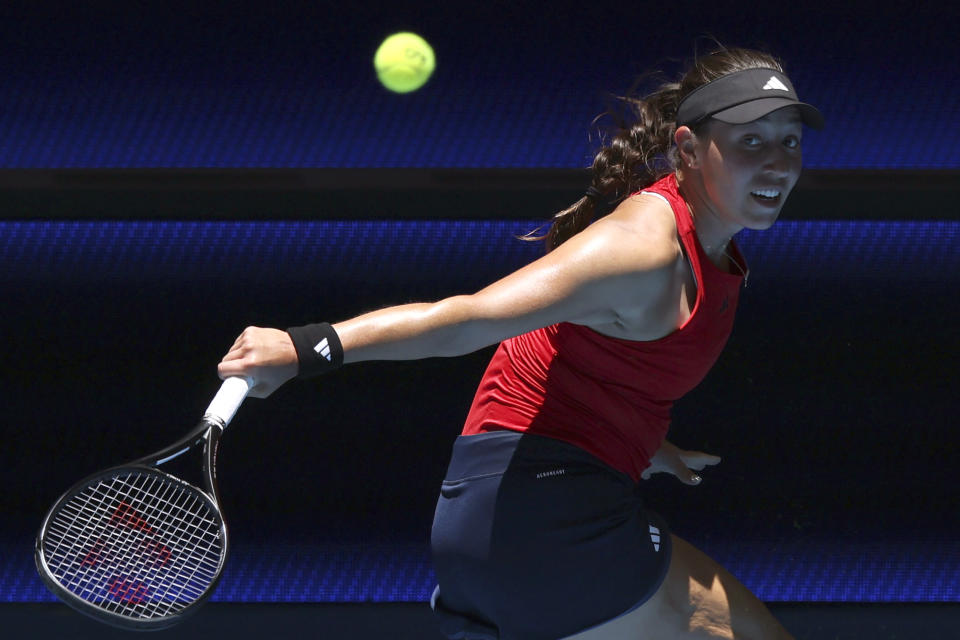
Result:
655,538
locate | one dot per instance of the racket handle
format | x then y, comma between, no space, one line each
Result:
228,399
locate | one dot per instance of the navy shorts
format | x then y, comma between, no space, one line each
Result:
535,539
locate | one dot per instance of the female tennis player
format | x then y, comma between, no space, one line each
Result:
540,531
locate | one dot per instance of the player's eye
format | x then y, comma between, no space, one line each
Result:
792,142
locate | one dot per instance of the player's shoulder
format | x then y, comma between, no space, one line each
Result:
648,214
643,225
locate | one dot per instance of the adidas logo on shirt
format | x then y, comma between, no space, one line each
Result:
775,83
655,538
323,348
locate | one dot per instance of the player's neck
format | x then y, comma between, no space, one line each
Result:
713,232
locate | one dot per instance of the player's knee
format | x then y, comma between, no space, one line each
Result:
675,593
695,607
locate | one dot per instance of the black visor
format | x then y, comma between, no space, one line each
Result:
744,96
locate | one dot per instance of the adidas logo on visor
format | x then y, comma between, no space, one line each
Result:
323,348
774,83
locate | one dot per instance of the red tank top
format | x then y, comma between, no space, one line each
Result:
609,396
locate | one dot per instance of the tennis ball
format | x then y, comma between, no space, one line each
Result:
404,62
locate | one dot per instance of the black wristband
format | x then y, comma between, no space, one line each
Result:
318,349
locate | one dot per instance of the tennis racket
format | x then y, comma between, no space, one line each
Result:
138,547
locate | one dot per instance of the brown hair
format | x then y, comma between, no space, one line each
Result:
642,151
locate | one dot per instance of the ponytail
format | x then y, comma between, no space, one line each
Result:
641,150
637,156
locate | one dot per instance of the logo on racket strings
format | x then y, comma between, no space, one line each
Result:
128,591
125,517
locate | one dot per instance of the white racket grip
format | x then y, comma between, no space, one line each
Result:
228,399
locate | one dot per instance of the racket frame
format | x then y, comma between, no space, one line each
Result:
206,434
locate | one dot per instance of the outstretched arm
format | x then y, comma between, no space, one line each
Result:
626,259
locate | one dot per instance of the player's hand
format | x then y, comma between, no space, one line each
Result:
671,459
266,355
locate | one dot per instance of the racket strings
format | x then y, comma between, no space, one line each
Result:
136,544
133,545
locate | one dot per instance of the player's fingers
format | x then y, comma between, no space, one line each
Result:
676,466
245,339
245,344
235,351
233,354
698,459
232,367
240,340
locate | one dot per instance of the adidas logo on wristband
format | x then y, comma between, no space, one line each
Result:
318,349
323,348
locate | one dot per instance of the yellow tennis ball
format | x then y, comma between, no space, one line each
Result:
404,62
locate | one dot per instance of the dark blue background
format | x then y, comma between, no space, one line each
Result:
833,405
291,84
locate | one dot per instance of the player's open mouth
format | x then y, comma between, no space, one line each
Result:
766,196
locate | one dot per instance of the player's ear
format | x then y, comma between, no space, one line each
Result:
686,141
